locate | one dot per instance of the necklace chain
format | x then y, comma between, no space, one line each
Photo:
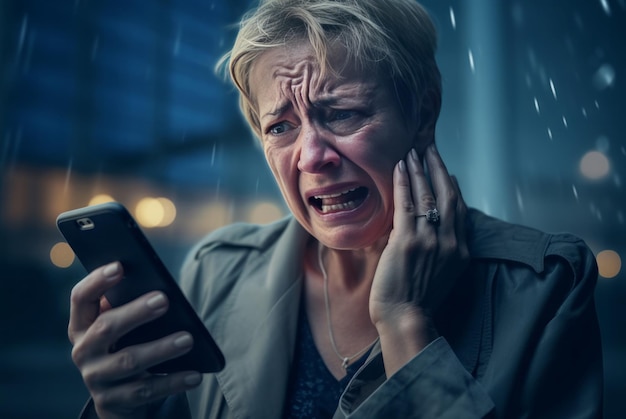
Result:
345,360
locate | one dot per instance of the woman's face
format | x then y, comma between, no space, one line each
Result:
332,143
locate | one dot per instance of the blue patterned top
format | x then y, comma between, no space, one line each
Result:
314,392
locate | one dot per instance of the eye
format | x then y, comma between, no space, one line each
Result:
278,129
340,115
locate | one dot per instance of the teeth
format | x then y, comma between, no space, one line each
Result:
335,195
337,207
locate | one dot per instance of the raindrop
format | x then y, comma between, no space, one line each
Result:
550,133
213,154
575,192
518,15
603,144
604,77
471,60
553,89
536,105
94,48
520,201
176,49
606,7
564,121
217,187
584,112
578,21
595,102
68,174
617,180
12,154
623,150
22,38
29,52
452,18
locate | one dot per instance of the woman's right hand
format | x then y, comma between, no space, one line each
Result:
118,381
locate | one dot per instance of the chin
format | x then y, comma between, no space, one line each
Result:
350,239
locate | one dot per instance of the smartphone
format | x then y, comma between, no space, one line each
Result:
105,233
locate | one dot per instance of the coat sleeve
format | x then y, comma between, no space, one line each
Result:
173,407
434,384
564,377
544,359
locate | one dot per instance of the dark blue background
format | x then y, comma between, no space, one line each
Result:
120,97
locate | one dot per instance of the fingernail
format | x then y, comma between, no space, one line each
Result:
183,341
193,379
402,166
157,301
414,154
111,270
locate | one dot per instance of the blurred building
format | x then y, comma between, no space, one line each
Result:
119,100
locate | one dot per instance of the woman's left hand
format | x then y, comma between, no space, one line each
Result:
423,259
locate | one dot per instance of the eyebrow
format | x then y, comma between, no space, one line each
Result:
277,111
328,101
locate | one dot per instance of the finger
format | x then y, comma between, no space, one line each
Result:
104,304
86,295
134,360
151,388
115,323
444,190
424,201
439,176
421,191
404,208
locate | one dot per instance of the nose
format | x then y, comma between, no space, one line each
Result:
317,151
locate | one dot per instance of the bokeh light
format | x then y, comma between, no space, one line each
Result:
609,263
101,199
62,255
264,212
594,165
155,212
149,212
169,211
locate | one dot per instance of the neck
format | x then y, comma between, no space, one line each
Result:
348,270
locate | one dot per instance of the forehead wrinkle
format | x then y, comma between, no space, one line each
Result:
295,85
298,83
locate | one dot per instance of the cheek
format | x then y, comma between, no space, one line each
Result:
279,162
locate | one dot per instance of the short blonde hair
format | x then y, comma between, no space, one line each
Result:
394,37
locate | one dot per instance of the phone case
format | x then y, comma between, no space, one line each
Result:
104,233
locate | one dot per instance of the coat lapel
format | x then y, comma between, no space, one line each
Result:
255,380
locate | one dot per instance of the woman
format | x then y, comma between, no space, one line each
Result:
382,295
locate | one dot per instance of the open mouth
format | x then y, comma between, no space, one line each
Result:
342,201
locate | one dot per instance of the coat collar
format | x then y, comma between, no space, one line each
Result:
490,238
256,377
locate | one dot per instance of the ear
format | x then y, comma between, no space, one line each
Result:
427,114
